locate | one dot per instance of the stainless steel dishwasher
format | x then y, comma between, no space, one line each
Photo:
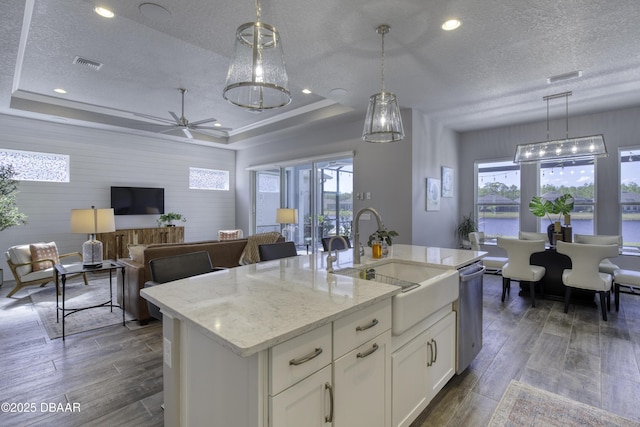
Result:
468,309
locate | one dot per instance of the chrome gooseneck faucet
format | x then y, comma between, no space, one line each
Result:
331,258
356,231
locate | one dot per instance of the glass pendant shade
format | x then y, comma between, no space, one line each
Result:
383,122
257,78
568,148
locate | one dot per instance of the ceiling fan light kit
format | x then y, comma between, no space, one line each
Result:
583,147
383,122
257,79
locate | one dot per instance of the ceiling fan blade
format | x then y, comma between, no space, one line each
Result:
210,128
175,116
160,119
168,130
187,133
201,122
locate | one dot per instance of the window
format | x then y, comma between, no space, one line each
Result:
208,179
33,166
267,200
575,177
630,198
498,198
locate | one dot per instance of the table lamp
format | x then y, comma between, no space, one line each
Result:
92,221
287,216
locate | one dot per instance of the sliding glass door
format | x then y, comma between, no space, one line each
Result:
321,191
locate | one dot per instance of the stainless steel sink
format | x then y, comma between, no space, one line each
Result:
425,289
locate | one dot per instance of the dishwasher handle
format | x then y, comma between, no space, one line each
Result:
469,273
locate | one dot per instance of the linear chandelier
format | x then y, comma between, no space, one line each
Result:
257,79
568,148
383,122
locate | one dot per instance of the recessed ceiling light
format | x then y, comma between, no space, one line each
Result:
59,90
306,91
104,12
217,125
451,24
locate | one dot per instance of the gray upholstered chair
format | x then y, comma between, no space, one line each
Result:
177,267
584,272
518,266
492,263
273,251
606,266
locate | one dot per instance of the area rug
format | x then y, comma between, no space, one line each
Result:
525,405
77,295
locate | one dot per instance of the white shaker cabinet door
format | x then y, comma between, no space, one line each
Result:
307,403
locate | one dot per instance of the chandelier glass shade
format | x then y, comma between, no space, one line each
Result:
257,78
583,147
383,122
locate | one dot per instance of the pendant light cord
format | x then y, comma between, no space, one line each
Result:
258,11
382,71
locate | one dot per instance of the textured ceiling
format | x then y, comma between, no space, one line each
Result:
491,71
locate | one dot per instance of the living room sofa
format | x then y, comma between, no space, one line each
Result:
225,253
137,273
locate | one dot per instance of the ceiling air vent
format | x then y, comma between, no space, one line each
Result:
563,77
94,65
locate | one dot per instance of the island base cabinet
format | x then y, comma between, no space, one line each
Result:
307,403
362,380
421,368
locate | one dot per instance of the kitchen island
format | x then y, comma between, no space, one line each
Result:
232,341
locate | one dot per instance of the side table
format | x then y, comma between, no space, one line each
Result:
61,277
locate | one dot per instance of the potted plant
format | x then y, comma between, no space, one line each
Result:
560,206
467,225
383,236
166,220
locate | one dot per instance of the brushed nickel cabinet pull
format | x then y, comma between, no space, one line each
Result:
315,353
373,323
329,419
435,346
372,350
430,356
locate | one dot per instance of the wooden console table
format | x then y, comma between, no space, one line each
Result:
115,244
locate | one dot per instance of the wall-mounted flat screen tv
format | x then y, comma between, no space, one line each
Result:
137,200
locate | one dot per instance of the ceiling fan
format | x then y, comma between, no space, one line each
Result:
182,123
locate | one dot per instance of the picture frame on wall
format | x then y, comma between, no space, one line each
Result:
433,194
447,181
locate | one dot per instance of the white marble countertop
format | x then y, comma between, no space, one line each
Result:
251,308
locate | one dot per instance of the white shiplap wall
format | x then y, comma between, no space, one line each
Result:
102,158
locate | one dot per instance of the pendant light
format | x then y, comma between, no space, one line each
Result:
257,79
583,147
383,122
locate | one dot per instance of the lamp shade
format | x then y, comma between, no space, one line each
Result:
286,216
383,122
569,148
92,221
257,77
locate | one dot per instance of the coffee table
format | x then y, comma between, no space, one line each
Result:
61,277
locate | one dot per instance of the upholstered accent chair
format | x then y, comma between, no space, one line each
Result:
518,266
492,263
606,266
32,264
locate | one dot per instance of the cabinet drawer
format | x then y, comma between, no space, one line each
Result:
357,328
296,359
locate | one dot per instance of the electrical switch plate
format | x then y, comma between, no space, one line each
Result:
365,216
167,351
368,195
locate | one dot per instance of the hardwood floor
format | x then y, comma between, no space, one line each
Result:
115,374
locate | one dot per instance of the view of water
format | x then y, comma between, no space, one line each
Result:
509,227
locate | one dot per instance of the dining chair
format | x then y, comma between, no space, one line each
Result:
491,263
273,251
629,279
584,272
518,266
606,266
533,235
